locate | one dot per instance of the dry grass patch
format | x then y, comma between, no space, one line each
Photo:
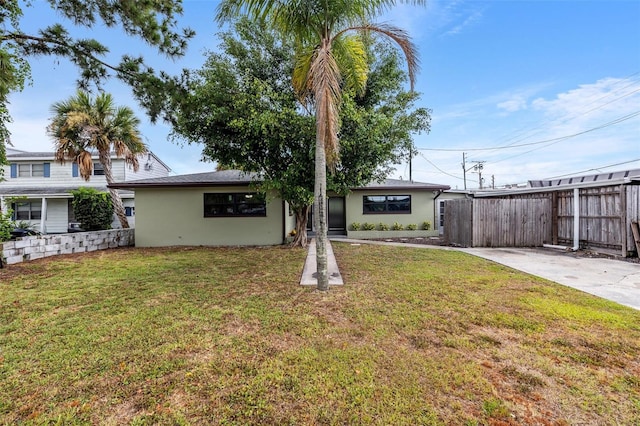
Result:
226,336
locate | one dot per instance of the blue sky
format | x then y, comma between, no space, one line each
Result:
535,89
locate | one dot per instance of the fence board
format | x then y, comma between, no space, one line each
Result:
458,222
529,220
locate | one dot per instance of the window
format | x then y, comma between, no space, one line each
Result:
27,210
129,211
98,169
386,204
30,170
238,204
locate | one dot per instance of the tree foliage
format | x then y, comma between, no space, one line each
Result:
242,106
330,60
82,125
154,22
92,208
6,226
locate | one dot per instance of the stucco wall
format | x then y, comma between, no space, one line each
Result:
422,208
168,217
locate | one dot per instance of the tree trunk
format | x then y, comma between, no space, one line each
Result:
118,207
320,213
302,216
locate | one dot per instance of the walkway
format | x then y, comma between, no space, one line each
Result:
309,275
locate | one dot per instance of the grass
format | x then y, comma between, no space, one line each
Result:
226,336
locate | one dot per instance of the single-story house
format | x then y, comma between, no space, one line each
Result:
223,208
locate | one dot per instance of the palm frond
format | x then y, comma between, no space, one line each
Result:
85,164
351,54
324,83
401,37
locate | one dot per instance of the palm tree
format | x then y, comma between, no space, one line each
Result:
82,125
331,57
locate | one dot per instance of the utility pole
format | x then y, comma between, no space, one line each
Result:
410,161
493,181
464,169
477,167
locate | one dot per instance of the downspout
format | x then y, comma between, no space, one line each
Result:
576,219
43,215
435,211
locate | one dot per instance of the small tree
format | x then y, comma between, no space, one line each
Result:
6,226
93,209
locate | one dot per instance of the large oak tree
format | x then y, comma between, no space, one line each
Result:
242,106
330,58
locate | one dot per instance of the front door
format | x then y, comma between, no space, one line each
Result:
336,217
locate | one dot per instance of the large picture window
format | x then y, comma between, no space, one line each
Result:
386,204
236,204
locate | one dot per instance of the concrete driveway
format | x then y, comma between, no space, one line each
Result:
614,280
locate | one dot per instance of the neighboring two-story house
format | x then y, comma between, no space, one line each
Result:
38,189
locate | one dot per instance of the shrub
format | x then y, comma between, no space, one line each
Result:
397,226
426,225
368,226
412,227
355,226
93,209
383,226
6,226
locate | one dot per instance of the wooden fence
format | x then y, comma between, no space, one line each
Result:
606,215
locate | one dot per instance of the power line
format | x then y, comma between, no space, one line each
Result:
554,140
594,169
573,116
438,168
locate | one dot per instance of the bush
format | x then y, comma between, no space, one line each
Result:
383,226
355,226
412,227
6,226
397,226
426,225
93,209
368,226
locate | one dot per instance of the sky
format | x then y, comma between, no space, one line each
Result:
522,90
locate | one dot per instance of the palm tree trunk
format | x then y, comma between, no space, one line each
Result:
320,212
118,207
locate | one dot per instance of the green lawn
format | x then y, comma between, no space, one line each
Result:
226,336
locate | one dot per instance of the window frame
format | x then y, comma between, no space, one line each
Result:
21,166
98,169
238,200
15,207
386,203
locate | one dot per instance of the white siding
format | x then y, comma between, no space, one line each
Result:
61,176
57,219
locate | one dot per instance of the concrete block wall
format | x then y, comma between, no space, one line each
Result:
36,247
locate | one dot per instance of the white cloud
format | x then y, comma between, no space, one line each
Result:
516,103
468,21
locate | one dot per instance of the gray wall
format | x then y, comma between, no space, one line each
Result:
36,247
